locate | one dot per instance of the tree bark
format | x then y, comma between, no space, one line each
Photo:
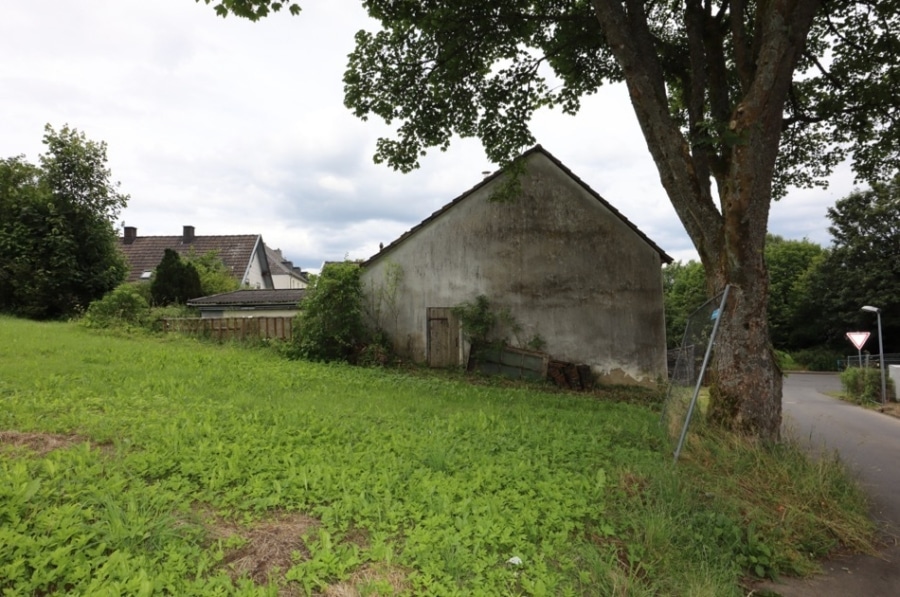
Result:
746,391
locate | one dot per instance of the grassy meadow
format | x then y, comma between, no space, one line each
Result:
151,466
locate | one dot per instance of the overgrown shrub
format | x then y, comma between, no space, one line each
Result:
175,281
330,326
863,384
212,271
817,359
785,361
158,315
125,305
378,352
477,319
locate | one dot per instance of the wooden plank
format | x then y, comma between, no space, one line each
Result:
233,328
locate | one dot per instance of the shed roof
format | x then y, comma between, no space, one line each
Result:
665,257
251,297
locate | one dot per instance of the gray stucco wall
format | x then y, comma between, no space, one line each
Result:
566,267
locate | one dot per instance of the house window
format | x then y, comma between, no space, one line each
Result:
147,274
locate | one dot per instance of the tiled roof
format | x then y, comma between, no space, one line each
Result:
536,149
145,252
279,266
282,297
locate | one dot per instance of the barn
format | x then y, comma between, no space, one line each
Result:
564,271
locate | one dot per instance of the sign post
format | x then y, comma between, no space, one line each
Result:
858,339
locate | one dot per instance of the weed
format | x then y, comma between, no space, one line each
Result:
400,483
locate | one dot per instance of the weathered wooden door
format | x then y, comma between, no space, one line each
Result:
443,337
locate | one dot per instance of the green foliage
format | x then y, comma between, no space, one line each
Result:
440,481
786,361
863,385
684,291
57,239
735,108
174,281
214,275
377,352
158,315
536,342
329,326
550,53
124,306
806,505
477,319
789,263
818,359
861,269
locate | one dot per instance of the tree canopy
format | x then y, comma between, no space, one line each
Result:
214,275
861,268
58,244
790,263
737,100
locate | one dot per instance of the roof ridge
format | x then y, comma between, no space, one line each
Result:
487,179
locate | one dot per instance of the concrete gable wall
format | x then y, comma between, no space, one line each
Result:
566,267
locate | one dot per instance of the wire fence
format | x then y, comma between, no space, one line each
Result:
688,365
869,360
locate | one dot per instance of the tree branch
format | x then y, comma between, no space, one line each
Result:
743,54
633,45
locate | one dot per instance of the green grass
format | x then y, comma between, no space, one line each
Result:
177,463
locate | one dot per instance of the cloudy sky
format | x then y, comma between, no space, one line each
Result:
237,127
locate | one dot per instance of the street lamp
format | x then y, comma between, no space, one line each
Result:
877,311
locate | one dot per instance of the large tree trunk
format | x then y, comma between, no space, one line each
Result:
745,393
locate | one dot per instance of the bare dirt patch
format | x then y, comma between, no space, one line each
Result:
267,548
375,578
39,443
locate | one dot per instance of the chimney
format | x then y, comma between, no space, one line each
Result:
130,234
188,236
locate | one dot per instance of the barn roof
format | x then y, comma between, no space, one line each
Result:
664,257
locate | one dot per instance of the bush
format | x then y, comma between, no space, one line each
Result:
214,275
377,351
785,361
158,315
175,281
817,359
125,305
329,326
863,384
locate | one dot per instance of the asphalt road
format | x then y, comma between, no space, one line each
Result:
869,443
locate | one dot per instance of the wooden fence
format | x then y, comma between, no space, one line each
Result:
233,328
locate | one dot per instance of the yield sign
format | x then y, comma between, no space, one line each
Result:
858,338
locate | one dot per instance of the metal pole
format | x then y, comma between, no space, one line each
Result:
881,362
712,340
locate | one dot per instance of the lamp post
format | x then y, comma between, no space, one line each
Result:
877,311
